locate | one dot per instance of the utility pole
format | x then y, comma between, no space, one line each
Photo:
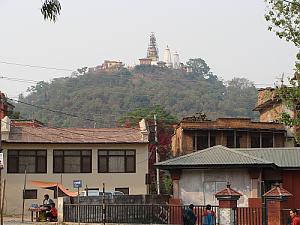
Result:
156,156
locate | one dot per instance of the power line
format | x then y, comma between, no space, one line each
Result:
52,110
35,66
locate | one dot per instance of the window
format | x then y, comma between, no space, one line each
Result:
233,139
267,140
125,191
255,140
33,161
72,161
116,161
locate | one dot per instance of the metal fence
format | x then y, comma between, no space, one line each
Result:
248,216
131,213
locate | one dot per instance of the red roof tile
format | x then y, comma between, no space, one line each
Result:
277,192
228,191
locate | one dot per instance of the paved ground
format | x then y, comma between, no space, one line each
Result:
18,221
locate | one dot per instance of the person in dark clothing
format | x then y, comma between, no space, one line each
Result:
209,216
189,217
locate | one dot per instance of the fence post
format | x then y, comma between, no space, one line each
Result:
227,203
274,201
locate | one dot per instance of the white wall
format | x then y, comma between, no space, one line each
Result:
192,184
15,182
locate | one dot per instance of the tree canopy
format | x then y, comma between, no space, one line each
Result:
51,9
103,98
284,18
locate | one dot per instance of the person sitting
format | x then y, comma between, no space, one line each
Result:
52,214
47,201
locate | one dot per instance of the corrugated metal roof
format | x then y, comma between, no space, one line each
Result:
215,156
75,135
282,157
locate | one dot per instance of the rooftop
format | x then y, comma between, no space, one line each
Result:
75,135
222,157
192,123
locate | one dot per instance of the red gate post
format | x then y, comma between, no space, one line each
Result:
227,203
275,199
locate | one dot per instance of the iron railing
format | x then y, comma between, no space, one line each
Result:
248,216
131,213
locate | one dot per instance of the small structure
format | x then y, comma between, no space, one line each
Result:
111,65
145,61
167,57
275,199
228,203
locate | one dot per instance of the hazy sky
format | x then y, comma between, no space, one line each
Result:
230,35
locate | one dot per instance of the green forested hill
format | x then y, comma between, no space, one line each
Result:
101,98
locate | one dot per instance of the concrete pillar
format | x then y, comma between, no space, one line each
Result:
227,203
175,175
274,201
60,209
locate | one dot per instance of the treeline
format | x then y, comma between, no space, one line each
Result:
103,99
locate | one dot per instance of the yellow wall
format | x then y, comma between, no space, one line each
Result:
15,182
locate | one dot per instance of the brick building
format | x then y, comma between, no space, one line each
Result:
194,133
270,109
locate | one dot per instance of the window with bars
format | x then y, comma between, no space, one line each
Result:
33,161
72,161
117,161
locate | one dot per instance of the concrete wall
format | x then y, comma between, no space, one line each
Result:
199,186
15,182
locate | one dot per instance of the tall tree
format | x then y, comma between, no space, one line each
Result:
51,9
199,66
284,18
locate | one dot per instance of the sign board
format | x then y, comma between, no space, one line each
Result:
1,161
77,183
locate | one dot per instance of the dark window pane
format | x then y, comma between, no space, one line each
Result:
267,140
58,164
230,140
102,152
212,141
116,164
71,153
87,152
12,164
27,153
41,166
71,164
27,163
124,190
102,164
202,142
86,165
41,153
130,164
255,140
56,152
116,152
12,152
130,152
